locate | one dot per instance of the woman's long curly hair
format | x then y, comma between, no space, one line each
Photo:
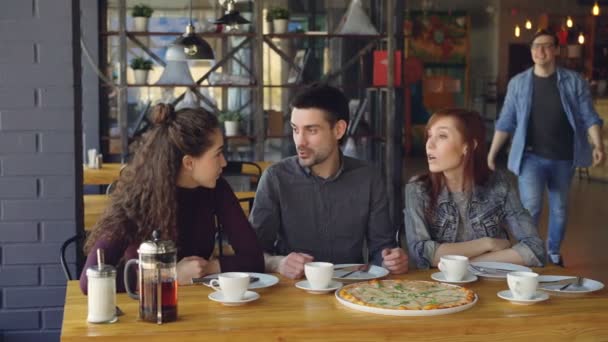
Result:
470,125
145,195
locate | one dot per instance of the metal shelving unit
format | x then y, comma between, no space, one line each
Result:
389,12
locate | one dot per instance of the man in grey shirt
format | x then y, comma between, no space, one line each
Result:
321,205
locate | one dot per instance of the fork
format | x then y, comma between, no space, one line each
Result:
489,269
361,268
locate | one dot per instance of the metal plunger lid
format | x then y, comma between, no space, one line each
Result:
101,270
156,246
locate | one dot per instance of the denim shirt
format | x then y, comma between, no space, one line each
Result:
495,211
576,100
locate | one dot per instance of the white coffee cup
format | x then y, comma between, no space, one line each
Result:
233,285
522,284
319,274
454,267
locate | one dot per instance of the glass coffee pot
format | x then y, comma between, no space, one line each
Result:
157,279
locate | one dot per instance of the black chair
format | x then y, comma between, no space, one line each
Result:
77,239
241,179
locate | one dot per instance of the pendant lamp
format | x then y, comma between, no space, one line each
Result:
195,48
232,17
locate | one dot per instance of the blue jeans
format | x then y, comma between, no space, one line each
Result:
536,174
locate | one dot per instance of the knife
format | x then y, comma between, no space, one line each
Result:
207,279
558,282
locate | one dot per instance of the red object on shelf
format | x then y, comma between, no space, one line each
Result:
381,68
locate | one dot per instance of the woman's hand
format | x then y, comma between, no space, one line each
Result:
191,267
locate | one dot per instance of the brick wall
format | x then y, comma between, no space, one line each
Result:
38,163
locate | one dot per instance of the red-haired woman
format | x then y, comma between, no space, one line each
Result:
460,206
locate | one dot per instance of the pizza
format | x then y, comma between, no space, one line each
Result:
406,295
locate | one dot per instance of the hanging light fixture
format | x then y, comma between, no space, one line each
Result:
194,46
581,38
596,9
517,31
176,70
231,18
528,24
569,22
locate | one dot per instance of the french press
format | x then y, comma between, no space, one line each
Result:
157,279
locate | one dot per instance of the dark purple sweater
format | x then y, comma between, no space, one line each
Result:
196,233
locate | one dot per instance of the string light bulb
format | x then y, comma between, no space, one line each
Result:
528,24
569,22
596,9
517,31
581,38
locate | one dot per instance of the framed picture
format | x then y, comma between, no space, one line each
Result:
300,59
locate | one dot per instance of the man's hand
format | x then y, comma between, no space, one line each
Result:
395,260
495,245
598,156
292,266
190,267
491,161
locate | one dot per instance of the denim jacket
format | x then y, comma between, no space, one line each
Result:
495,211
576,100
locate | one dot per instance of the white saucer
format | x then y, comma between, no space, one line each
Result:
304,285
538,297
249,296
439,276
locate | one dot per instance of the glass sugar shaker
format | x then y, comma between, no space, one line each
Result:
101,290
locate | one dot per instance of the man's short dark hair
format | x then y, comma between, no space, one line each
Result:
324,97
543,32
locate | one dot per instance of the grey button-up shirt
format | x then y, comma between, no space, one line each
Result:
495,211
330,219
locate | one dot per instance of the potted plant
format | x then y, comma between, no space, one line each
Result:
280,18
231,122
141,14
141,67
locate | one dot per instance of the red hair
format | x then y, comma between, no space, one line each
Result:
471,126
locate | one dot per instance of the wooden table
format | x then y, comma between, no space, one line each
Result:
109,172
95,205
286,313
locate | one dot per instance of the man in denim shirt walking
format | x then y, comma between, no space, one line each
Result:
549,112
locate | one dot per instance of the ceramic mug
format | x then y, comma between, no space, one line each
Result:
522,284
454,267
232,285
319,274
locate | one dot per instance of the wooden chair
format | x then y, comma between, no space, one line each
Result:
242,176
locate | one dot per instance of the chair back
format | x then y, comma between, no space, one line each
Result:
76,240
242,176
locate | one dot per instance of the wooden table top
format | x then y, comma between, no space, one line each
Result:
109,172
95,205
105,175
286,313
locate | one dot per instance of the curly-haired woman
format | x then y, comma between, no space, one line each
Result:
173,185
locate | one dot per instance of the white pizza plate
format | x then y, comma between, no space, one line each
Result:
392,312
264,280
588,286
498,265
374,272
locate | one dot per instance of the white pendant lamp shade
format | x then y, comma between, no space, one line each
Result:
177,70
356,21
